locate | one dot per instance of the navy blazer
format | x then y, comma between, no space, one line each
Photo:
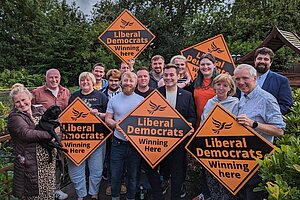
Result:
279,87
185,104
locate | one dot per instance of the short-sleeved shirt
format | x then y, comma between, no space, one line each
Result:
261,106
120,105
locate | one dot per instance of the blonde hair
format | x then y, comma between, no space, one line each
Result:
19,88
129,75
87,75
227,79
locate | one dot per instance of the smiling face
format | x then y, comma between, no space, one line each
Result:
181,64
262,63
157,65
206,67
98,72
170,77
244,81
52,79
222,88
143,78
22,102
128,84
86,84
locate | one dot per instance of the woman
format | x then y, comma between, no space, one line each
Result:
34,176
97,102
224,88
203,90
184,77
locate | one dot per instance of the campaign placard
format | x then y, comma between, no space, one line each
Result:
215,46
155,128
86,132
126,37
227,149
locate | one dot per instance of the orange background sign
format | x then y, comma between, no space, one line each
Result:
155,128
86,132
126,37
228,149
215,46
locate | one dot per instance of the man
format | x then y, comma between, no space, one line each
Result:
99,72
52,93
259,110
122,151
183,102
272,82
157,64
127,67
114,77
143,79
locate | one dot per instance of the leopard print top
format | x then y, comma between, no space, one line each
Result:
46,172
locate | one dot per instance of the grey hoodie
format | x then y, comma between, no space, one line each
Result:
231,104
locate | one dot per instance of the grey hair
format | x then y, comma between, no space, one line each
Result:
87,75
252,71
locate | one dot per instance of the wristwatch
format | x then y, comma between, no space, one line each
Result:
255,124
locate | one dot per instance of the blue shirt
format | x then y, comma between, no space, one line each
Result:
262,107
261,79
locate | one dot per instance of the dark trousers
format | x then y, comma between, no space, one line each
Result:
175,162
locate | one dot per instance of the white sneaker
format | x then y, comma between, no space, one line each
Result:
60,195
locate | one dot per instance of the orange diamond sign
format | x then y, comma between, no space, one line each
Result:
86,132
228,149
155,128
126,37
215,46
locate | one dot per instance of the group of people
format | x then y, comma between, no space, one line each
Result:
262,98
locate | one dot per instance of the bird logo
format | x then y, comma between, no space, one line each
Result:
78,114
154,107
220,125
215,48
125,23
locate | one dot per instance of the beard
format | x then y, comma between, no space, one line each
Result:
127,90
261,68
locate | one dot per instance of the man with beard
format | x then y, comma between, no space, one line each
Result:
113,76
99,72
157,64
122,152
272,82
143,79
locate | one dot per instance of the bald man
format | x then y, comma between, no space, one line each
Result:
52,93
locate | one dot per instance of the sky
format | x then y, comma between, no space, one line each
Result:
84,5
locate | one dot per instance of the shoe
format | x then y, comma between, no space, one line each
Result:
165,186
123,189
104,175
108,190
201,197
60,195
183,191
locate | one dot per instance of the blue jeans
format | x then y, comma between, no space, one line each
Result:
122,151
95,165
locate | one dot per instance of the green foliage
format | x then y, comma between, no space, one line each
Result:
10,77
281,171
4,111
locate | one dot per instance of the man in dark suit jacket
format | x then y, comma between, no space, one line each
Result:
183,102
272,82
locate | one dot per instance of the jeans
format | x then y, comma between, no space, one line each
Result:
122,151
95,165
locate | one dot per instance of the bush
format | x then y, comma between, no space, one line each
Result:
281,171
10,77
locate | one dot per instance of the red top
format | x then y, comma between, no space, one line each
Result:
202,95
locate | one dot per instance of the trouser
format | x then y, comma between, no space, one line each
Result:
123,152
95,165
